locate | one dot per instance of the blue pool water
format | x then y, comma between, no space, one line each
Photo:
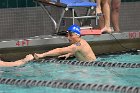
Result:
70,73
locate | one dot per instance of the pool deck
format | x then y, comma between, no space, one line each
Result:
105,43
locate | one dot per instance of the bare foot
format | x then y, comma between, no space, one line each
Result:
106,29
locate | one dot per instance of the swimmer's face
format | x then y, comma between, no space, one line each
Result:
71,37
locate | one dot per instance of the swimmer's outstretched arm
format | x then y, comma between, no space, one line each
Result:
17,63
56,52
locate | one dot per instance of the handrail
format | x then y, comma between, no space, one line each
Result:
57,4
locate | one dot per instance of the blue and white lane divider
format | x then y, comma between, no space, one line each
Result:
70,85
94,63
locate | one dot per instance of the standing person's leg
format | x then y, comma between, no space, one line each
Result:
106,12
115,4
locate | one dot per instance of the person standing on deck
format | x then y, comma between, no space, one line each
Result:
104,20
115,11
79,47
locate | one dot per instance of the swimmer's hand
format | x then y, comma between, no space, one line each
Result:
28,58
37,56
65,56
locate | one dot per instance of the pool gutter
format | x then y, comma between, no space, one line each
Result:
18,48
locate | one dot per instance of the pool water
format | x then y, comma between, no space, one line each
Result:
70,73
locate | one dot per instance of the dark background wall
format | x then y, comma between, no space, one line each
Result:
29,3
17,3
24,18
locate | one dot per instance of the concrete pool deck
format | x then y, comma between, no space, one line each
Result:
105,43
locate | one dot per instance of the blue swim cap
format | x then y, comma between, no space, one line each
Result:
75,29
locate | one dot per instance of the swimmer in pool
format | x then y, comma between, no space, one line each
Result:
16,63
79,47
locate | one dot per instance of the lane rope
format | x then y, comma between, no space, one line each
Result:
70,85
93,63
